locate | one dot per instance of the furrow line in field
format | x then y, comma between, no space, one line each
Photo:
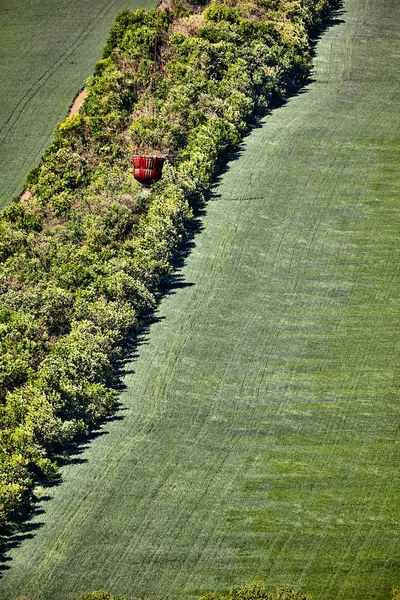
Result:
12,120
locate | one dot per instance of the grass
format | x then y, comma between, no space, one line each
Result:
47,51
259,431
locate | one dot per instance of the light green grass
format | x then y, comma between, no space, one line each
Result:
260,436
47,50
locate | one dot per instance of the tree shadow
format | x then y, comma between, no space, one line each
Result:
24,525
23,528
294,87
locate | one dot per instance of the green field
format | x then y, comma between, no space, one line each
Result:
47,50
259,437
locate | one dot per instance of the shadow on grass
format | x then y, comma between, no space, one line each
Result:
23,528
27,523
294,88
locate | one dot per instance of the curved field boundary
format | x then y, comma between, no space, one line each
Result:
259,436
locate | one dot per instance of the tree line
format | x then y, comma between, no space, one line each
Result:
83,255
254,591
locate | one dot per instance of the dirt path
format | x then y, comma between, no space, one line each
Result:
26,195
77,103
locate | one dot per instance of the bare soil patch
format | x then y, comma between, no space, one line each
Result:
77,103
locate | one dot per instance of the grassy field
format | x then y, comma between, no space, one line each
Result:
259,435
47,50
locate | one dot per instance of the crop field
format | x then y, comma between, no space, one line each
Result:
47,50
258,436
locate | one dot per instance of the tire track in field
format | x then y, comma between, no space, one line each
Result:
276,543
239,260
354,467
196,436
214,470
166,471
14,117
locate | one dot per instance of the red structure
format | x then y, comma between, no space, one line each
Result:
147,169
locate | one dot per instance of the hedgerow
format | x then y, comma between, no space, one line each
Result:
83,254
254,591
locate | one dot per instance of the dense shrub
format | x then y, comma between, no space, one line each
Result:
255,591
83,254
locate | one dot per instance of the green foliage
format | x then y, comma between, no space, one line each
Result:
82,257
217,13
32,177
100,595
256,591
21,218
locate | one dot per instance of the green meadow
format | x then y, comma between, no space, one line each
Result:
258,435
47,50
